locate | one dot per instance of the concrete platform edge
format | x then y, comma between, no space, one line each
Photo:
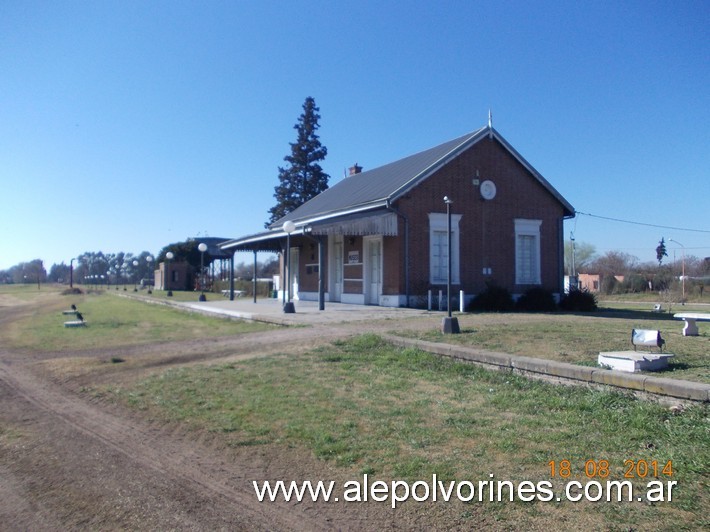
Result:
573,374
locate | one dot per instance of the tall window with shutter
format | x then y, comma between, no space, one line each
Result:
527,252
438,248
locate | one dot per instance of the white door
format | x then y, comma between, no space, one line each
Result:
373,264
336,269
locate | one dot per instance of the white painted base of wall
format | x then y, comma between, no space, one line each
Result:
394,301
311,296
353,299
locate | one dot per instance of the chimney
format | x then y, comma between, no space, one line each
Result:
355,169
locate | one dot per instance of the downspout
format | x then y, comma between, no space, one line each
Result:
561,251
561,257
389,207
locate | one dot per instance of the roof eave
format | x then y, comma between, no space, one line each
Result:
427,172
302,222
567,205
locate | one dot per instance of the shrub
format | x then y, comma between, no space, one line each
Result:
493,299
536,300
634,283
609,285
72,292
579,301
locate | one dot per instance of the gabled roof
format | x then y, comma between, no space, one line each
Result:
381,186
378,188
214,246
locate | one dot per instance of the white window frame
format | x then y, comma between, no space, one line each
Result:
438,223
527,269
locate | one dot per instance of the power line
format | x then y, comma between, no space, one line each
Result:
645,224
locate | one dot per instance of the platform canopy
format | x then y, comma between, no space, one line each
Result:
378,222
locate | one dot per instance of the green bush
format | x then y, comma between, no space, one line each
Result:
609,285
493,299
634,283
536,300
579,301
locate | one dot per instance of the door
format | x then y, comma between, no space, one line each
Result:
373,265
336,273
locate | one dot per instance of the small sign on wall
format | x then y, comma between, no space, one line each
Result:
353,257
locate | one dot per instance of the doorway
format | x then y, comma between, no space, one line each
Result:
336,269
373,270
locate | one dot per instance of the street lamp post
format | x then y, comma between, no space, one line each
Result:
71,273
202,247
682,276
149,260
135,276
289,227
449,325
168,256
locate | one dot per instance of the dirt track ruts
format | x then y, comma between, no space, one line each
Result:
166,458
70,461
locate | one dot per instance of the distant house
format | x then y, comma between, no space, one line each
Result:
379,237
591,282
182,275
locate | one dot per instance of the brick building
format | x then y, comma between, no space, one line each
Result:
180,276
379,236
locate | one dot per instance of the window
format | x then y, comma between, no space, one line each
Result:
438,248
527,251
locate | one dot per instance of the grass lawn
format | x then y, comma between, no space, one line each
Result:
111,321
578,338
368,407
181,295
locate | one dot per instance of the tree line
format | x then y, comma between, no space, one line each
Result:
637,276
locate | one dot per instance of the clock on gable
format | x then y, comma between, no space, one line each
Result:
488,190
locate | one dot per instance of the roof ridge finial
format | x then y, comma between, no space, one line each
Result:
490,119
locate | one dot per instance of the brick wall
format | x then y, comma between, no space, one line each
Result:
487,228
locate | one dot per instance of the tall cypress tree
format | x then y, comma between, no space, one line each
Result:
303,178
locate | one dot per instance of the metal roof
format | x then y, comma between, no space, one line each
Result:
380,186
372,188
214,246
377,188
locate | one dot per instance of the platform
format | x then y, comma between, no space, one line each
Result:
633,361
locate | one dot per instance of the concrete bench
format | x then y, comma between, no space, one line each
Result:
633,361
237,293
691,328
75,323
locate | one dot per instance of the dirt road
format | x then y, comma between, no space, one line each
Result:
71,461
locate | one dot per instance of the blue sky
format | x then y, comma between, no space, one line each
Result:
125,126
